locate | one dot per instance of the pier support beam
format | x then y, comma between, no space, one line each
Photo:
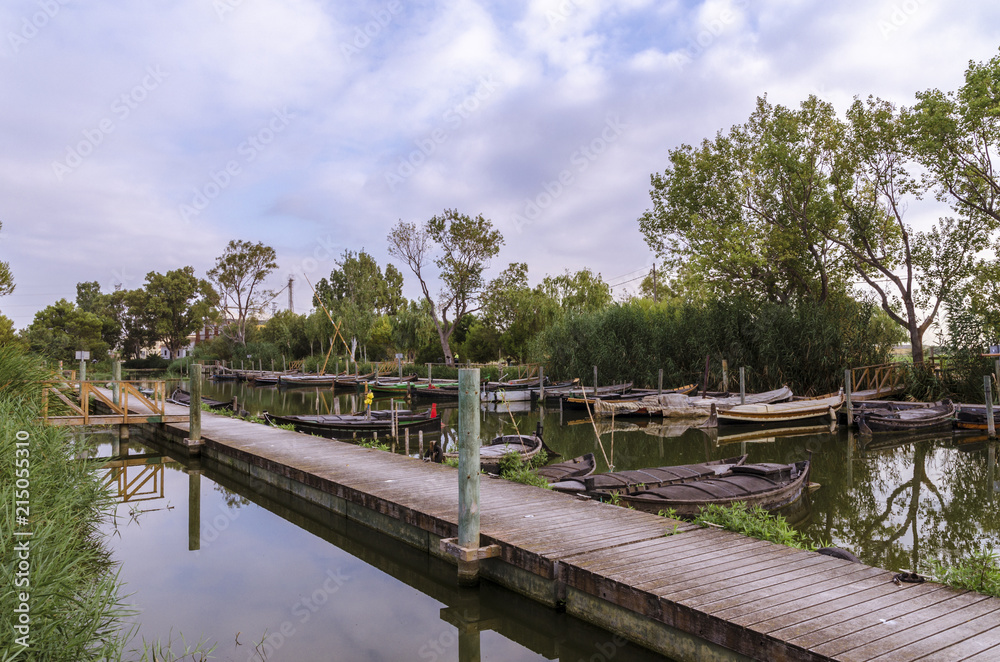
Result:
193,440
847,395
194,509
991,429
465,549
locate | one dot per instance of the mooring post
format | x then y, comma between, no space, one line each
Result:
406,436
595,381
725,376
430,375
659,383
83,372
991,426
847,395
468,472
116,379
420,442
541,383
743,386
194,509
194,409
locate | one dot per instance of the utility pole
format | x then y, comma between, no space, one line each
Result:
655,293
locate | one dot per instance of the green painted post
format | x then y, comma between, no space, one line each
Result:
847,394
194,509
194,413
991,429
116,378
468,471
743,386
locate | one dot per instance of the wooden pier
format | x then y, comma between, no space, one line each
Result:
687,592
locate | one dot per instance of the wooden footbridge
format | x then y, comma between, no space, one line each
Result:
873,382
69,402
687,592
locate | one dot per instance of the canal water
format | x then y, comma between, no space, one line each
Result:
206,554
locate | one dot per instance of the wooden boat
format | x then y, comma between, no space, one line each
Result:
578,467
182,397
871,405
906,420
601,486
768,485
576,400
743,435
783,412
306,380
973,417
341,425
730,401
524,445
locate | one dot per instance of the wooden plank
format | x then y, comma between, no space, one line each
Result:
843,615
856,647
951,638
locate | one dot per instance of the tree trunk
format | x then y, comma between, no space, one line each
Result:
916,342
445,347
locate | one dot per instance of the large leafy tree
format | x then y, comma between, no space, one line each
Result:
517,312
913,272
743,213
793,203
59,330
239,275
460,246
357,293
583,291
180,303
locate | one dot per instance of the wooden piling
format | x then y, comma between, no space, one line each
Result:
83,371
725,376
743,386
541,383
468,472
595,381
991,429
406,438
659,383
847,396
194,413
194,508
430,375
116,387
420,442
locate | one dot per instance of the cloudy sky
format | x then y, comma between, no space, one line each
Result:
145,135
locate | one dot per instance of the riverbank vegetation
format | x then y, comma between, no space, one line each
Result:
73,596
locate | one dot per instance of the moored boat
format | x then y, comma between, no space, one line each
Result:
906,420
341,425
973,417
523,445
602,486
577,468
767,485
783,412
181,397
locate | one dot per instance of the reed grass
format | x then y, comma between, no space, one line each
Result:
752,521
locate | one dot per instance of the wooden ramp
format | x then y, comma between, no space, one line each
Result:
682,590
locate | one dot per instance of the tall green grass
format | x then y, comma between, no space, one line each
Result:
75,609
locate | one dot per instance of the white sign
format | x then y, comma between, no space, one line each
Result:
83,356
399,356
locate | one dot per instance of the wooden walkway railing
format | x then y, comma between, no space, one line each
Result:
877,381
77,397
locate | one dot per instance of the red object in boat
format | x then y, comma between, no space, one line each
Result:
434,410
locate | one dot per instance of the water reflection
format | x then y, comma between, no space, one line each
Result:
233,560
